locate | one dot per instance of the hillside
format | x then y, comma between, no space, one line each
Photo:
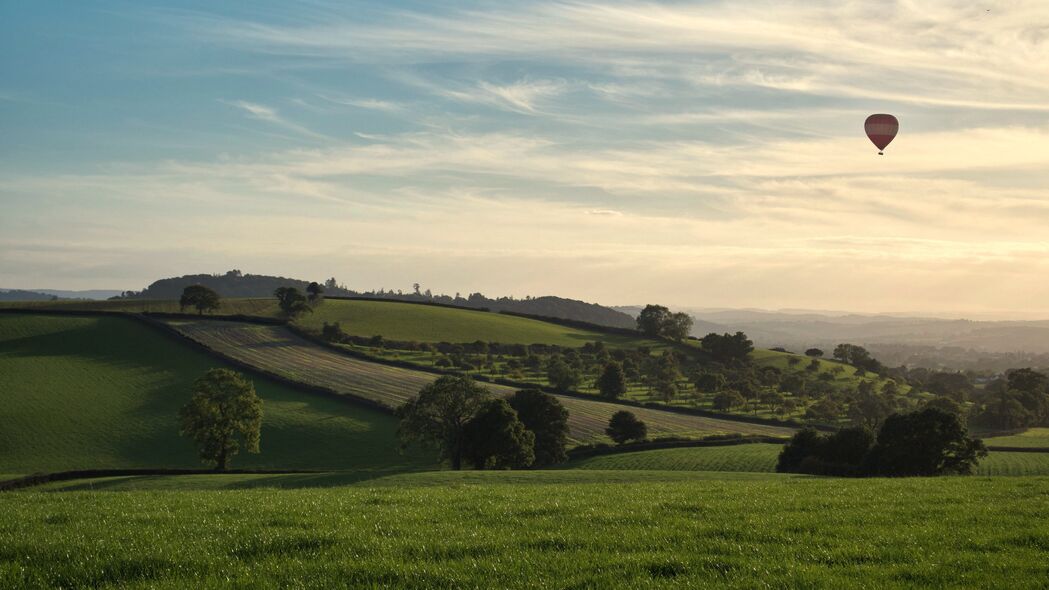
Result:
428,323
104,392
234,284
278,350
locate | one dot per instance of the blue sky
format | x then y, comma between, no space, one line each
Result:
698,154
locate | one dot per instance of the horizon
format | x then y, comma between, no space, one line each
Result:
690,154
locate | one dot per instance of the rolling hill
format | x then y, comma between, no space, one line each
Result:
278,350
103,392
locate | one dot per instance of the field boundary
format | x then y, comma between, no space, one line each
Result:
1019,449
38,479
600,450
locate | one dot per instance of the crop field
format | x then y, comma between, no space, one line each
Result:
276,349
79,393
1032,438
428,323
762,457
495,530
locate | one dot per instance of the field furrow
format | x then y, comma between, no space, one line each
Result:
278,350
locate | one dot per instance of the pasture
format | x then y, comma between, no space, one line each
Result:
278,350
428,323
102,392
761,457
539,529
1032,438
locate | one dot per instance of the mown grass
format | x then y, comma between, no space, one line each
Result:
276,349
735,533
762,457
82,393
1032,438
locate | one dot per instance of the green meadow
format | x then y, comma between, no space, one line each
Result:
528,529
103,392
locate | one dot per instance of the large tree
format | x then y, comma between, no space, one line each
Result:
728,348
223,414
315,292
652,319
438,416
624,426
928,442
612,382
542,414
562,376
496,439
291,301
200,298
677,326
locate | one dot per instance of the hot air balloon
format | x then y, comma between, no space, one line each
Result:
881,129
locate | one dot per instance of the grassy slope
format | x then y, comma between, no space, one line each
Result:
762,457
695,532
104,392
276,349
264,307
1032,438
428,323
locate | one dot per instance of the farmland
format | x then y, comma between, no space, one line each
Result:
276,349
540,529
762,457
427,323
103,393
1032,438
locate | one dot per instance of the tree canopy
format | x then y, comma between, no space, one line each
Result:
496,439
624,426
224,413
728,348
542,414
291,301
438,416
200,298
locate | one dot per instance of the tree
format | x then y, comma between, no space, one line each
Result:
496,439
315,292
825,410
624,426
438,416
928,442
814,352
652,319
728,348
869,409
956,386
677,326
562,376
612,382
840,453
291,301
224,414
709,382
948,405
200,297
542,414
728,399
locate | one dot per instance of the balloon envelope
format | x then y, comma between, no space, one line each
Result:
881,129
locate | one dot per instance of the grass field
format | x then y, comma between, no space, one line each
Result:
277,349
1032,438
428,323
103,393
762,457
495,530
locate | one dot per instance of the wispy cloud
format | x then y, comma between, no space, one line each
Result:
270,115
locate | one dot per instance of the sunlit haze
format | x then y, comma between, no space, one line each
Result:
700,155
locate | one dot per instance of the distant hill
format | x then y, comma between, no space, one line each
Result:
20,295
894,340
236,284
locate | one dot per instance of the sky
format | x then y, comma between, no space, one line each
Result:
700,154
